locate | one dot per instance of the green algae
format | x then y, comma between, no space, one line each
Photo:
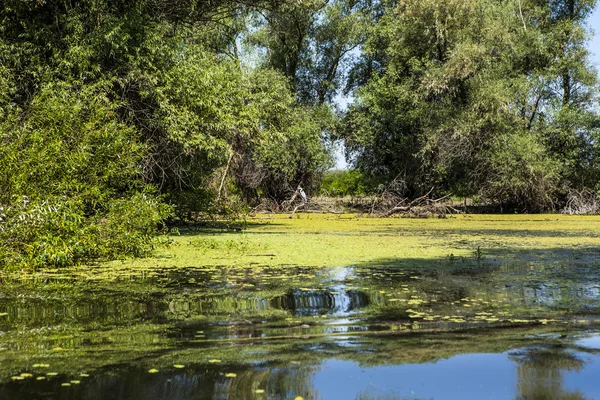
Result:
334,240
324,240
414,290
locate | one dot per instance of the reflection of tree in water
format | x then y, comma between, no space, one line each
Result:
317,302
540,373
279,383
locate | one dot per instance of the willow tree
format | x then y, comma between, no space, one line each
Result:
476,98
311,42
113,113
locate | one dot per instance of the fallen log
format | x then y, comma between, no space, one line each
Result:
422,206
399,208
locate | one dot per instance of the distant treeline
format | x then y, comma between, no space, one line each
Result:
117,116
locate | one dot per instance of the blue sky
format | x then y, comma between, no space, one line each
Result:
593,45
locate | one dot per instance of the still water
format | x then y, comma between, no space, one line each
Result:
357,332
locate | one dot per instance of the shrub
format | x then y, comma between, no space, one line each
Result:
346,183
72,190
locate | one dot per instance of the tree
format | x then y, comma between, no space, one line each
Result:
460,84
72,188
120,108
311,42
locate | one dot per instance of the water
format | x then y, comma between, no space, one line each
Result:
517,331
544,372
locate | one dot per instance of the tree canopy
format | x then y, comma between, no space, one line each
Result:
116,116
488,98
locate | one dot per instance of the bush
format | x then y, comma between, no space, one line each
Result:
72,190
345,183
523,177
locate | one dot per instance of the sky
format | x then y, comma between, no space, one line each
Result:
593,46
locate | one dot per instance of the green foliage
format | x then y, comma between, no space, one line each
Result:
294,154
214,118
112,110
120,108
69,141
71,178
522,177
346,183
462,86
311,42
58,231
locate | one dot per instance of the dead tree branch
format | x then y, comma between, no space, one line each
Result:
422,206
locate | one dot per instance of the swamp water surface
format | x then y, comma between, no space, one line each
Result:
461,327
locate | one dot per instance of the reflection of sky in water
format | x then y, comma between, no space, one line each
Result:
341,274
468,376
473,376
336,299
348,303
333,301
556,368
586,381
592,342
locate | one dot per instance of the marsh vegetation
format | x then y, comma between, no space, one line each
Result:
292,307
120,119
147,147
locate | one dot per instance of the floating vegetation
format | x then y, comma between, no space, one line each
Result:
238,307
